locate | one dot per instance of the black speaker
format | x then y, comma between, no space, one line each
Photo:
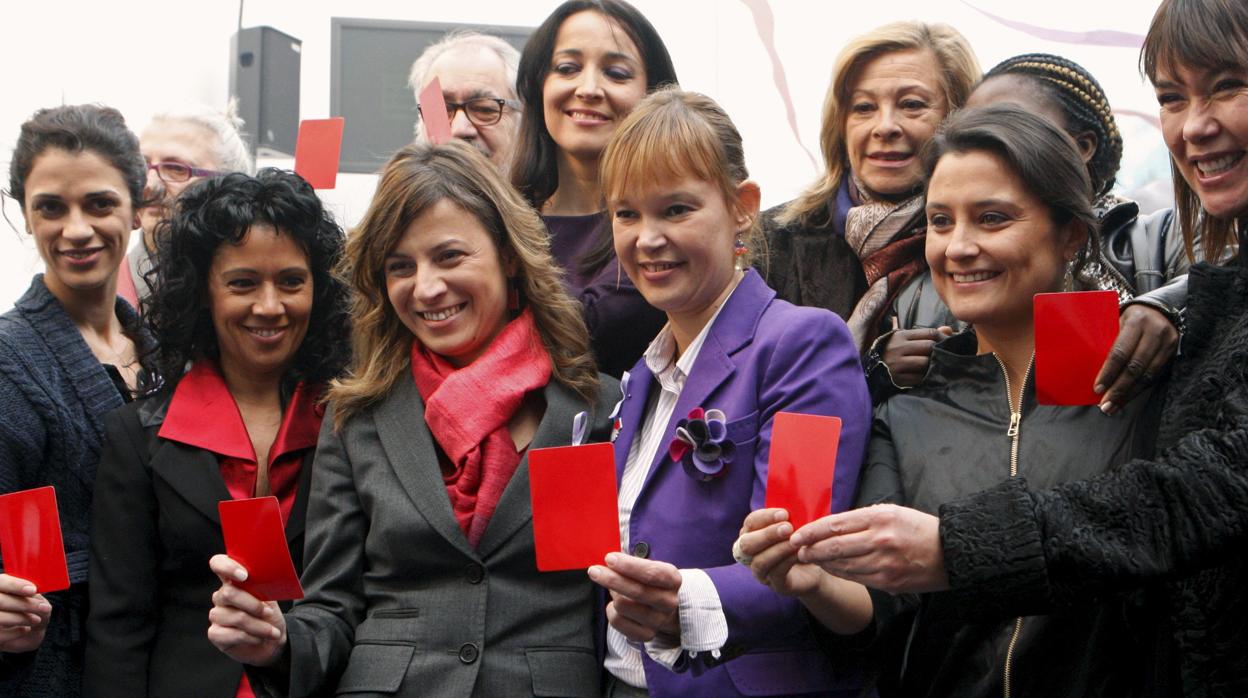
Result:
264,78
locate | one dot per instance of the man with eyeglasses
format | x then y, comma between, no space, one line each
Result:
478,76
180,148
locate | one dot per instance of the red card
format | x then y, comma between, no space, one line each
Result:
575,506
433,113
801,465
317,151
30,539
1074,333
256,539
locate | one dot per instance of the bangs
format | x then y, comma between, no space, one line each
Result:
660,145
1200,34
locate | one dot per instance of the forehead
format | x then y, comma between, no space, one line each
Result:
471,69
262,247
180,141
977,175
899,70
68,175
440,222
593,32
1017,89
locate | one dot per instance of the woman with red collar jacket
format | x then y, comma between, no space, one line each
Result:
251,324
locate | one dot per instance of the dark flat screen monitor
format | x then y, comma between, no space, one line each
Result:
369,64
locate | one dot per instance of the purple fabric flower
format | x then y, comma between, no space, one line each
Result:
702,445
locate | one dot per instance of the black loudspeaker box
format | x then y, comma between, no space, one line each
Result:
264,78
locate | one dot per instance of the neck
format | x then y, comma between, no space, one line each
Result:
1014,346
687,326
578,193
93,309
251,387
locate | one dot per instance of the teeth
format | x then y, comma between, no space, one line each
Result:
971,278
443,314
658,266
266,332
588,115
1217,166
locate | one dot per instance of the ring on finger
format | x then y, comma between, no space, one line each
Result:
739,555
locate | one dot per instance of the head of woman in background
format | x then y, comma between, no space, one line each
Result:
1064,92
890,89
582,71
245,279
446,257
1009,210
1196,56
683,209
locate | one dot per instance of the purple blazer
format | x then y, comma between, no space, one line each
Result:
761,356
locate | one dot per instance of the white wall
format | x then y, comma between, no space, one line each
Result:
144,56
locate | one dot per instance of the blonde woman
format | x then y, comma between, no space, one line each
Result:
468,353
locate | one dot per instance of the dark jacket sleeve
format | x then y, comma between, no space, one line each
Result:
125,558
1013,550
621,323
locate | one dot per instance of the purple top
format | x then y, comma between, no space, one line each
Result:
621,322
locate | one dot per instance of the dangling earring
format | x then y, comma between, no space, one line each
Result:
738,250
513,296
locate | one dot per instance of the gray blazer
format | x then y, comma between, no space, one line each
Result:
398,603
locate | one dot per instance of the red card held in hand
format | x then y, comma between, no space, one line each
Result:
433,113
802,465
575,515
30,539
255,538
1074,333
317,151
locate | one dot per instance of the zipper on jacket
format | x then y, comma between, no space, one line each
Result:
1016,418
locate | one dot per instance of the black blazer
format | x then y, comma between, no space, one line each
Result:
154,527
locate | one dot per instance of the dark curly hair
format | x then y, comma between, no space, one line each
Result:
218,211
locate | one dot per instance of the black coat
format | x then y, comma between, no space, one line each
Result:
811,265
1182,516
155,526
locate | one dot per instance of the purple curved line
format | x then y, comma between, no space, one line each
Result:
765,21
1097,37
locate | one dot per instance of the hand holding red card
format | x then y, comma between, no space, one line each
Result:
1074,333
317,151
802,465
255,538
30,539
433,113
575,515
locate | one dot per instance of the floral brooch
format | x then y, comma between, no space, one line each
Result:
702,445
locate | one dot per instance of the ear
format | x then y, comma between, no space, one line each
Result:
511,265
749,197
1087,142
1075,235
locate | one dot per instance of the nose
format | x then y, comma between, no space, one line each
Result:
650,237
77,228
1201,122
461,127
429,287
268,303
154,190
589,88
962,244
886,125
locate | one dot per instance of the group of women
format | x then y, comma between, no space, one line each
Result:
387,388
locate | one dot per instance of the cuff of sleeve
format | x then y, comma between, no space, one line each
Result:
703,626
994,553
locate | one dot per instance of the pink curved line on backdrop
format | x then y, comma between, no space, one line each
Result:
765,21
1097,37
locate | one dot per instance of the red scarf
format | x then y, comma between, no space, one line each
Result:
468,410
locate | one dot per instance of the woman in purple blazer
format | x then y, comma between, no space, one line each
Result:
694,422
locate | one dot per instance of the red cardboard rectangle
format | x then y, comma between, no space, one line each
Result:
575,506
30,539
317,151
1074,333
802,465
433,113
255,538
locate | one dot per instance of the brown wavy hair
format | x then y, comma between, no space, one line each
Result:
416,178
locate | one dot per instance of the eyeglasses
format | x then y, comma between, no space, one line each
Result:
170,172
482,111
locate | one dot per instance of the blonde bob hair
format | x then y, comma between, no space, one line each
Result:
959,72
415,179
672,134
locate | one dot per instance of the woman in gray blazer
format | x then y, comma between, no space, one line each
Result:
420,576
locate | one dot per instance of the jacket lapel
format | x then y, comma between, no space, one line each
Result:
298,513
400,420
632,411
514,508
194,474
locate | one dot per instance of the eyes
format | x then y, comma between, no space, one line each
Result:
400,266
615,72
98,206
290,282
907,105
670,212
940,221
1224,87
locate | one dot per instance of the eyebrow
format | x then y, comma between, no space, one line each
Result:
609,55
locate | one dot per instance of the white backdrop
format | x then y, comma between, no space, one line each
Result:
147,56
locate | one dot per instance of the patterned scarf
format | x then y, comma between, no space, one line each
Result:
888,238
468,411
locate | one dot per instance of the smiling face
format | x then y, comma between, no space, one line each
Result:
448,284
1204,120
895,104
596,78
260,299
78,210
675,241
473,72
991,244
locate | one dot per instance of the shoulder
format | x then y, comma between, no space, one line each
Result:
791,326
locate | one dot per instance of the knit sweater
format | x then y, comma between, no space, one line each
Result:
54,394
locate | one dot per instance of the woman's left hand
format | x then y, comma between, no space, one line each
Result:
1146,341
885,547
644,601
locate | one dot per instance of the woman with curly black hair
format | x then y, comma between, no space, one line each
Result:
251,324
